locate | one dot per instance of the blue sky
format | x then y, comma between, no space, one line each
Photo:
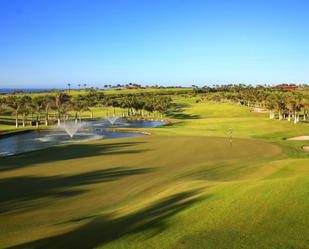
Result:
168,42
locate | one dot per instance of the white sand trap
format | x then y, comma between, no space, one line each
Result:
260,110
300,138
306,148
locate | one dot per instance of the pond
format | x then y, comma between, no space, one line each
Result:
95,130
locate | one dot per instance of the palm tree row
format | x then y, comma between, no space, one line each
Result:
284,105
137,105
54,108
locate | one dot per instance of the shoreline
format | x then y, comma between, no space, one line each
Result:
31,129
51,127
17,132
124,130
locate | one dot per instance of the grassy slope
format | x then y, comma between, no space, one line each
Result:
176,189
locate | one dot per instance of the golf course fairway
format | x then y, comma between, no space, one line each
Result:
187,185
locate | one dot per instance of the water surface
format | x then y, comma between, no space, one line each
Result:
95,130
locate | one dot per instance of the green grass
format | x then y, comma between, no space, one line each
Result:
184,186
109,92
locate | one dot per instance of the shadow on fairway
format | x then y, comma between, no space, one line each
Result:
174,124
70,151
18,193
178,106
182,116
6,121
101,230
177,112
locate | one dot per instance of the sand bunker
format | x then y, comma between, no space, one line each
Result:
260,110
306,148
300,138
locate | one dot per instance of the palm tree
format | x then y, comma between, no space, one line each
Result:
38,106
78,105
114,104
149,106
69,86
61,100
92,98
108,103
279,105
291,105
15,102
49,103
2,104
298,107
25,108
305,104
25,112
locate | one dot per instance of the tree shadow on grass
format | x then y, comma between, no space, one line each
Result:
177,112
18,193
66,152
174,124
177,106
220,171
182,115
101,230
7,122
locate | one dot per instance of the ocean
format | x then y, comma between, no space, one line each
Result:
27,90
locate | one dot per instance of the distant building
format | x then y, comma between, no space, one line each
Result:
134,87
287,87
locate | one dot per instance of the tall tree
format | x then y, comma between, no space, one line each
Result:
92,98
61,103
50,103
38,104
2,104
25,108
15,102
79,104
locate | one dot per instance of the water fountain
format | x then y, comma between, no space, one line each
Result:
115,120
69,132
71,128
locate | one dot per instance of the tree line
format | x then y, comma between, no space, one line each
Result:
289,105
58,107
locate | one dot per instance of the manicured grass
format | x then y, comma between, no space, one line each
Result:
185,186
